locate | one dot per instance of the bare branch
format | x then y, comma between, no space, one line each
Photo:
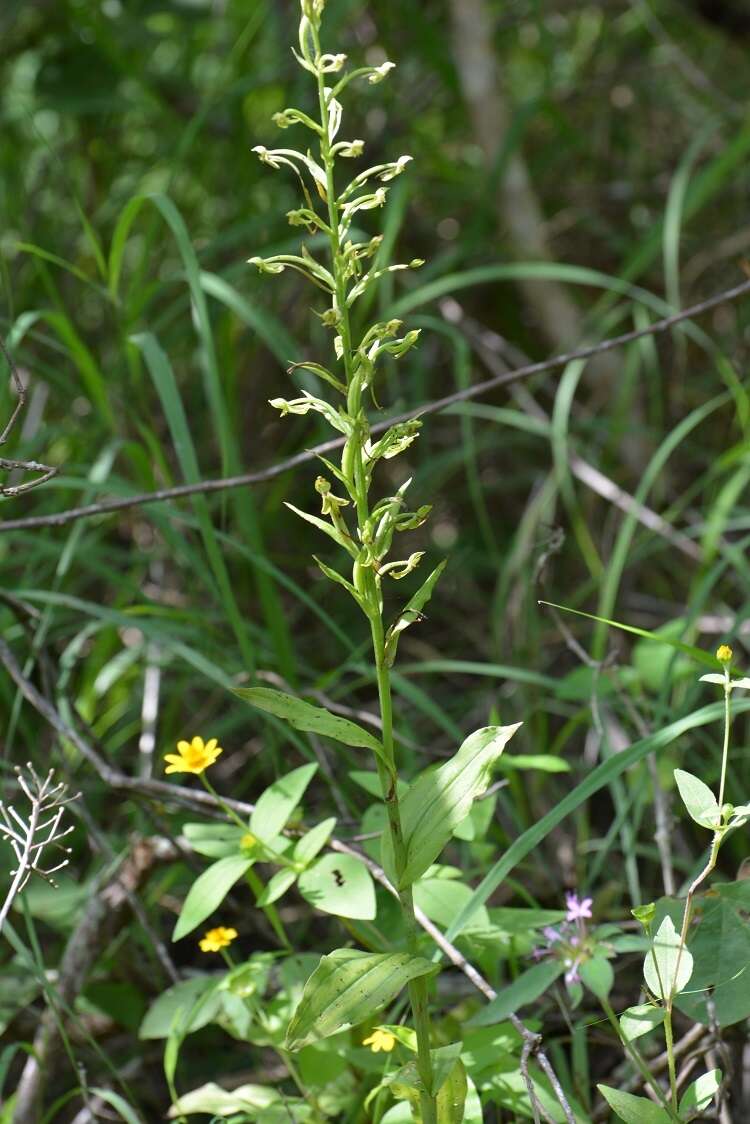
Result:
106,507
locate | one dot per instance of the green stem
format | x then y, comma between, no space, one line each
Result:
255,884
366,584
669,1039
638,1061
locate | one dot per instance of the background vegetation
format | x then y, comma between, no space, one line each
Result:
581,169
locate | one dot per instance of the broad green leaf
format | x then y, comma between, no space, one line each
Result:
666,970
442,898
212,1099
523,990
339,884
698,1096
441,798
640,1020
208,892
698,799
304,716
348,987
277,886
411,613
634,1110
720,985
276,804
214,840
182,998
306,848
597,975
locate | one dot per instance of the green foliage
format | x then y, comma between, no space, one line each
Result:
348,987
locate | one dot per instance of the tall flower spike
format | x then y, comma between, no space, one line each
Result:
31,837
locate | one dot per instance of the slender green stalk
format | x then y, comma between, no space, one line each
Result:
636,1058
368,544
367,586
255,884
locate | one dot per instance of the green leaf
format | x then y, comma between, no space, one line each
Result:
660,637
277,886
208,892
347,987
698,1096
212,1099
441,798
306,848
110,1097
339,884
182,997
276,804
640,1020
545,762
314,719
660,968
214,840
523,990
597,975
634,1110
327,529
592,783
721,954
411,613
699,800
451,1096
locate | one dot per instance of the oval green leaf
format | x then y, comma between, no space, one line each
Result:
339,884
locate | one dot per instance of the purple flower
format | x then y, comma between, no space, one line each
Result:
577,909
551,935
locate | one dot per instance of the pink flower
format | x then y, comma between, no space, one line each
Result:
577,909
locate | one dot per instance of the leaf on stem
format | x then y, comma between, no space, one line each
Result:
668,965
313,719
699,800
441,798
348,987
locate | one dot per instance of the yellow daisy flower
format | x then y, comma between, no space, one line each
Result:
193,756
380,1040
216,939
724,653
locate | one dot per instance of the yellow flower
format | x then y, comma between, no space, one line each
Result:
380,1040
193,756
216,939
724,653
248,840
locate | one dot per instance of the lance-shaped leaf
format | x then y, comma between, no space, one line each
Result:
441,798
326,528
208,892
634,1110
313,719
667,968
348,987
276,804
411,613
699,800
525,989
